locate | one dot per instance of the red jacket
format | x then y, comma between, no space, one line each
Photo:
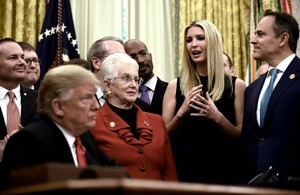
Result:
150,157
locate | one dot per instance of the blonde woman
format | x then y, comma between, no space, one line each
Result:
203,110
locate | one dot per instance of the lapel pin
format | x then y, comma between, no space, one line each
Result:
25,94
112,124
292,76
146,123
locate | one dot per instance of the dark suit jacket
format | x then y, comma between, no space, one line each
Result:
28,109
158,96
277,143
41,142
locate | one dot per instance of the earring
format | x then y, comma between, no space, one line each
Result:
108,94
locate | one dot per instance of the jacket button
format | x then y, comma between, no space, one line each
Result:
140,151
143,169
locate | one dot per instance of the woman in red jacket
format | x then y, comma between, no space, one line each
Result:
135,139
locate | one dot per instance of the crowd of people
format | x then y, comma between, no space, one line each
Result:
205,126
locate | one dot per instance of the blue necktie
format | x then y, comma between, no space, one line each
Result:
266,96
144,94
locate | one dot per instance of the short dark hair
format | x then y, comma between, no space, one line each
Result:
26,46
285,22
229,60
7,40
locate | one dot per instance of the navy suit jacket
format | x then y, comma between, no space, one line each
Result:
277,143
42,141
28,109
158,96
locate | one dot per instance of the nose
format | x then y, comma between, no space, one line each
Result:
22,61
139,59
194,43
253,40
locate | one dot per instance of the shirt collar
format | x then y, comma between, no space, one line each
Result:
282,66
151,83
4,91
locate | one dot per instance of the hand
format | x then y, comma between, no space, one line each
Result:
13,132
189,98
206,108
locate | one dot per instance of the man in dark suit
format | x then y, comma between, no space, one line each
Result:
12,72
156,87
97,53
67,107
273,141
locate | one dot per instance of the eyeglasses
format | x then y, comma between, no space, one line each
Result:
142,54
127,79
36,61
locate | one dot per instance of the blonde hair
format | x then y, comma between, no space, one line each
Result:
59,82
189,77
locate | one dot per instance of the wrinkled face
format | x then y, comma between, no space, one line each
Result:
12,64
195,44
265,42
139,52
32,68
124,88
79,111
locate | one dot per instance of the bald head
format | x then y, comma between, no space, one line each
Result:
139,51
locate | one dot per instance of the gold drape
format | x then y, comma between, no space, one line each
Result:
22,20
230,17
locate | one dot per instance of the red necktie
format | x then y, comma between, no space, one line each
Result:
80,153
13,114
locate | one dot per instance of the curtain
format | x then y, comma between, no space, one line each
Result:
158,23
149,21
22,20
229,16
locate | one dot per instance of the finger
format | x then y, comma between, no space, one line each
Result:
201,111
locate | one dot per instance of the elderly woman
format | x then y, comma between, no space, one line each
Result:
137,140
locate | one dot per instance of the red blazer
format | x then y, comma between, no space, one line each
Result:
150,157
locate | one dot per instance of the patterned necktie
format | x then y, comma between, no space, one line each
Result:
144,94
80,153
13,114
267,95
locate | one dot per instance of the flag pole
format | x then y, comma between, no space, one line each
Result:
59,35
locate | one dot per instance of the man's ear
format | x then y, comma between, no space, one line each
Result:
96,63
57,107
284,38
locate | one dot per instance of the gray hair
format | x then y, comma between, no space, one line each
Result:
59,83
110,66
98,49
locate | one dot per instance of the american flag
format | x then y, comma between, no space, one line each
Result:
57,40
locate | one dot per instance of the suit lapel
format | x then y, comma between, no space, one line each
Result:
291,74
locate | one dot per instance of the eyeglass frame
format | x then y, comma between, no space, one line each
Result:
127,79
36,61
